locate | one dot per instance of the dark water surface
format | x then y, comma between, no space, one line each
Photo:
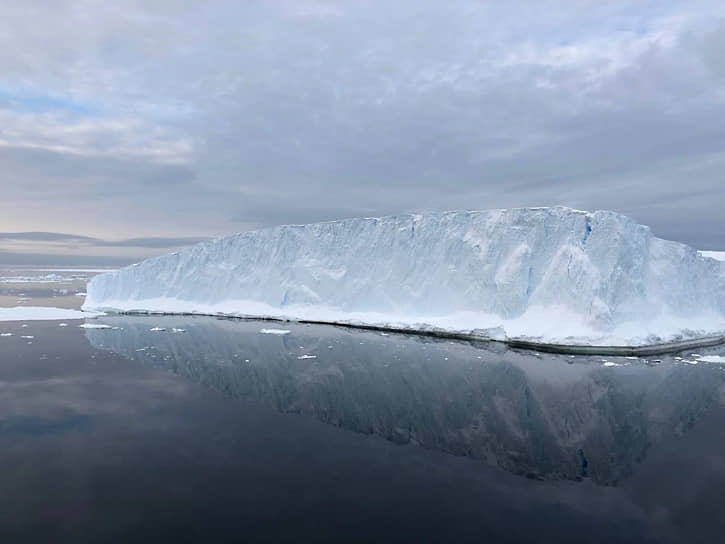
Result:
223,434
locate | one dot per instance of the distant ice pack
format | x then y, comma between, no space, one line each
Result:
543,274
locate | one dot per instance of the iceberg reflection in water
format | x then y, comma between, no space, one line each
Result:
542,416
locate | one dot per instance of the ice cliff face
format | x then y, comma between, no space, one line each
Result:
549,273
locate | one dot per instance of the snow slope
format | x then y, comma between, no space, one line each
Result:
546,274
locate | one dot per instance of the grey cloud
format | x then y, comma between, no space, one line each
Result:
161,243
290,214
53,259
46,237
151,242
26,248
185,123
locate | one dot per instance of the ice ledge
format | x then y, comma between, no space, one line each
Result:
44,313
544,329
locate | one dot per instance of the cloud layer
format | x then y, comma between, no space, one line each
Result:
147,120
59,248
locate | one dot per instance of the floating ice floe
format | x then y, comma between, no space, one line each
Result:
274,331
44,278
712,359
42,313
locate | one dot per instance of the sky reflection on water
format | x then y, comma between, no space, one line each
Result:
221,433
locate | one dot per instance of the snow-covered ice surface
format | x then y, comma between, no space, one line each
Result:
552,275
41,313
718,255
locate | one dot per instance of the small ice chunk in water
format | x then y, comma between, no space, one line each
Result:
713,359
307,357
274,331
157,329
6,334
62,324
94,326
175,329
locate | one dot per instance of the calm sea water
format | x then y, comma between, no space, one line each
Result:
211,431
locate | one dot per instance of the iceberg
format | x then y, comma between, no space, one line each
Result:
547,275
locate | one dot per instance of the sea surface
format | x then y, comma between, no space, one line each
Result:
197,429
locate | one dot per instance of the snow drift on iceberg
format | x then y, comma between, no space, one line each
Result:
545,274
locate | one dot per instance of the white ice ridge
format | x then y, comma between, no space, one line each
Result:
41,313
717,255
542,274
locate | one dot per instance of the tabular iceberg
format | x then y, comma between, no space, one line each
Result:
542,274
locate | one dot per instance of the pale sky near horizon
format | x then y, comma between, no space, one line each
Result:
138,127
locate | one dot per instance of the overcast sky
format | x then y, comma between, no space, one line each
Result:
144,126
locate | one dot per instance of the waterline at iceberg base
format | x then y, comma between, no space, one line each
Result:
528,276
